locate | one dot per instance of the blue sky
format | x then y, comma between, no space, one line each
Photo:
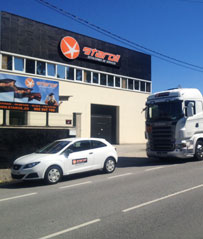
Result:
171,27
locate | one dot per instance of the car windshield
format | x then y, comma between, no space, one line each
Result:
171,110
53,148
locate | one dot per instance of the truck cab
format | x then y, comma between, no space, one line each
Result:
174,124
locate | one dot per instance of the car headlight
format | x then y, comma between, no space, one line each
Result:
31,165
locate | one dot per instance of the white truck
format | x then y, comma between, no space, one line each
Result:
174,124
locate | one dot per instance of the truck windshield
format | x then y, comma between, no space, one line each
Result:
171,110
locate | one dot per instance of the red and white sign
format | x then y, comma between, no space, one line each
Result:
71,50
29,82
79,161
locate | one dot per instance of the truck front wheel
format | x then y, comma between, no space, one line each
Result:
199,150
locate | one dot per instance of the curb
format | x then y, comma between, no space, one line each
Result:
5,176
6,182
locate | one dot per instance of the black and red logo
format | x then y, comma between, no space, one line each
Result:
71,50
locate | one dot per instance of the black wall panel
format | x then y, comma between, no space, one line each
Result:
30,38
20,141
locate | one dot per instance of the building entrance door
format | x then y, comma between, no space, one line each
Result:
101,127
104,122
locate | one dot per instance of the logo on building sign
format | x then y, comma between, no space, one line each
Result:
70,48
101,56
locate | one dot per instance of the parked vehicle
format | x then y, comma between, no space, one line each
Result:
64,157
174,124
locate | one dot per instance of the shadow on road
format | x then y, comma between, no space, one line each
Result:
123,162
40,183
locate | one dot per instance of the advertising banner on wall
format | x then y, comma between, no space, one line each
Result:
28,94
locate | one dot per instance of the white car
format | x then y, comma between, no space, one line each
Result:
64,157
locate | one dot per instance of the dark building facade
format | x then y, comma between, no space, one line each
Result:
30,38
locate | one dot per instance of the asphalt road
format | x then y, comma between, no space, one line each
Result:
142,199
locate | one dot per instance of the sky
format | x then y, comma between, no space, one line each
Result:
170,27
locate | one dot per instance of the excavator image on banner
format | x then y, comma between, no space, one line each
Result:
8,85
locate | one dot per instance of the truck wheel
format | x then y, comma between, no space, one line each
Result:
199,150
53,175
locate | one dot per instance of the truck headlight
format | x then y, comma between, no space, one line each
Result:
31,165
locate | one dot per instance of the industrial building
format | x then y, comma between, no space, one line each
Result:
55,80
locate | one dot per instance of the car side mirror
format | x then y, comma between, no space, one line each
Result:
68,152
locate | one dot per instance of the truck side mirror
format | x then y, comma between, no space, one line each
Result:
190,109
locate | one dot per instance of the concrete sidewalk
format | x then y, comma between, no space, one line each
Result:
124,150
131,150
5,175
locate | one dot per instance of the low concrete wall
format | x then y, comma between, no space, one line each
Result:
17,142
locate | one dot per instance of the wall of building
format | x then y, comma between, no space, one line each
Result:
131,120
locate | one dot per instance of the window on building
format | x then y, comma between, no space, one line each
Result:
7,62
130,84
95,78
124,83
65,72
51,69
30,66
87,76
41,70
61,71
78,75
136,85
102,79
142,86
18,63
110,81
148,87
70,73
118,82
18,117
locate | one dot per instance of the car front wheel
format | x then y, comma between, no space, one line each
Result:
53,175
109,165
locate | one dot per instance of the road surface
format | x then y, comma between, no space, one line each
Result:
143,198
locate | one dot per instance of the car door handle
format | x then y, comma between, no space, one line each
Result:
91,153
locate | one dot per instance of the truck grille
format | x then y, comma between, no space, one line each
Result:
162,138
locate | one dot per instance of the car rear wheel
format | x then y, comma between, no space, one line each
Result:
109,165
53,175
199,150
